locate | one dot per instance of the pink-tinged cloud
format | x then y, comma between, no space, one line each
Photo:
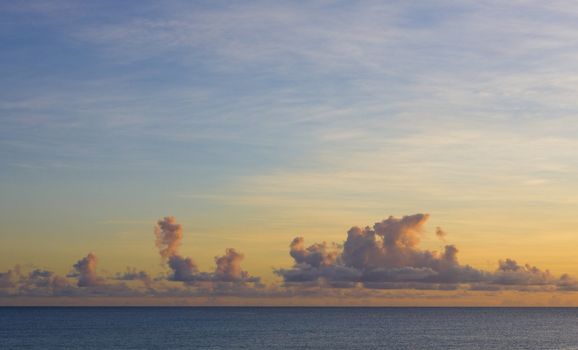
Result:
85,270
228,267
318,254
387,255
168,236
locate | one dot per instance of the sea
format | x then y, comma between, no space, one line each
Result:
287,328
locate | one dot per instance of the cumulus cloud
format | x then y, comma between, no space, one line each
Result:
40,282
85,270
390,243
527,277
318,254
509,272
387,256
567,283
384,256
37,282
168,236
184,269
228,267
386,253
43,278
132,274
227,279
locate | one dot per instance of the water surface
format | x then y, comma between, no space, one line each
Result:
288,328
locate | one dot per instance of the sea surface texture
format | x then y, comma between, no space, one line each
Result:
288,328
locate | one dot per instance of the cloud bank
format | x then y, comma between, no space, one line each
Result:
385,256
388,256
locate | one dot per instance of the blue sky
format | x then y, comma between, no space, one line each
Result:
256,121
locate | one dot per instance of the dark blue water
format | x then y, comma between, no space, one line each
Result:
288,328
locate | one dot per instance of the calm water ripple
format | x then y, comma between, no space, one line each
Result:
288,328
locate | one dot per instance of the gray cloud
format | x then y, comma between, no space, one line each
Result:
388,256
184,269
132,274
7,279
228,278
510,273
386,253
42,282
37,282
567,283
441,234
385,256
316,255
43,278
85,270
228,267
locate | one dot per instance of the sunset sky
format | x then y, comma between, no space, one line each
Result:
256,122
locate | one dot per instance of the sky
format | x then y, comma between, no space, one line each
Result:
288,153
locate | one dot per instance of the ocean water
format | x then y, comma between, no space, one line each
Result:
288,328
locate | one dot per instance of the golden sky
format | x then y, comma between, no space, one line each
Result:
256,123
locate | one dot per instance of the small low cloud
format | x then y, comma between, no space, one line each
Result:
184,269
510,273
441,234
132,274
85,270
229,268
